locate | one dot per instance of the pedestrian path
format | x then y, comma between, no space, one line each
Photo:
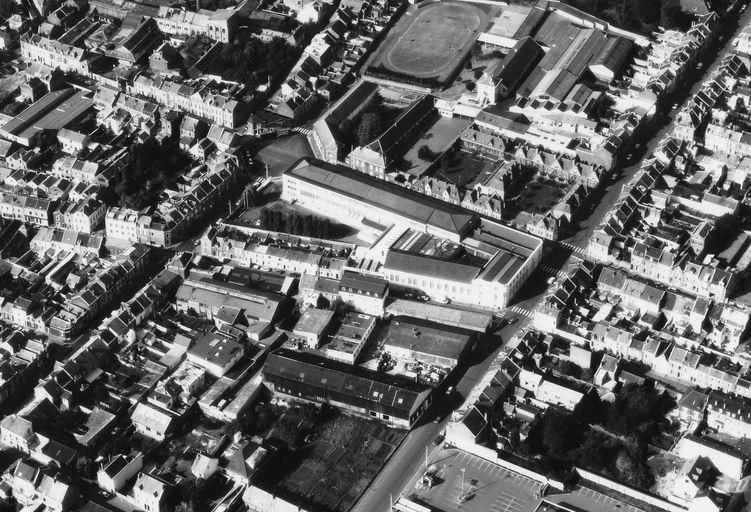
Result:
519,311
551,270
575,249
304,131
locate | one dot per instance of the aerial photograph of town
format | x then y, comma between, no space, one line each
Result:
375,256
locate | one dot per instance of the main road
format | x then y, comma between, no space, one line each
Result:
410,456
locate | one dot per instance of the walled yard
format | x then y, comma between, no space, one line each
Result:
340,458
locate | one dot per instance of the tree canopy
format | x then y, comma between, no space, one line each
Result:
251,61
369,129
296,224
152,168
8,8
425,153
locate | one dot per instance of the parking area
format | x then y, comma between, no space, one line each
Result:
485,486
583,498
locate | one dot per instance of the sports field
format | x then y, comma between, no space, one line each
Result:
433,40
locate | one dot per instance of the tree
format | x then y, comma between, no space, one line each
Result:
339,307
14,108
559,431
425,153
307,225
445,161
8,505
289,434
85,466
265,218
251,61
71,420
325,229
8,8
476,50
670,14
194,491
468,64
470,86
648,11
592,454
569,369
726,226
514,438
278,221
369,128
184,506
589,409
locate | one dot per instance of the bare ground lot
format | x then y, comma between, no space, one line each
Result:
437,136
332,470
464,170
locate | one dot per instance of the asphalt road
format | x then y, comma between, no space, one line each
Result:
409,458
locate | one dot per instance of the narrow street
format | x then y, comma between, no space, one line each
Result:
558,257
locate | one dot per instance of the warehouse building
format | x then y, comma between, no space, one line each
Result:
428,342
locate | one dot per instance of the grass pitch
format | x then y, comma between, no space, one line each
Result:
433,40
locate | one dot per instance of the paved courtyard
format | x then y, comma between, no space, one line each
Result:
489,487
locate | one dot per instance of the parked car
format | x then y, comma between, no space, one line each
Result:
423,298
409,295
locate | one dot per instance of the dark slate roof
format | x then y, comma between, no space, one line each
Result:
517,60
364,282
383,195
342,378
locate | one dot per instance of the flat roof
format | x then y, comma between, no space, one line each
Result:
383,195
420,265
314,321
583,499
213,348
427,337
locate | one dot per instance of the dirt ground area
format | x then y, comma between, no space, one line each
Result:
437,136
536,197
279,154
334,468
465,170
459,86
